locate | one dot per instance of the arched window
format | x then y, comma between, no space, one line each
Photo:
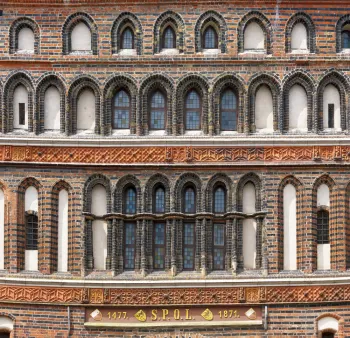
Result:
228,107
189,200
298,108
331,107
254,38
219,246
31,229
52,109
127,39
345,37
158,111
169,38
86,110
264,109
62,236
159,246
81,38
122,110
159,200
322,227
210,38
26,40
299,37
31,232
219,200
130,201
189,245
193,111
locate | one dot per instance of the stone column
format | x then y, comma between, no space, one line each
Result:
143,265
203,252
109,245
173,268
234,247
258,242
114,261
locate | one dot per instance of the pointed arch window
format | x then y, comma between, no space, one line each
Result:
158,111
345,37
130,200
169,38
219,200
127,39
228,109
210,38
193,109
122,110
189,200
159,200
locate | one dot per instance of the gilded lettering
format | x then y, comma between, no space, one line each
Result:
154,314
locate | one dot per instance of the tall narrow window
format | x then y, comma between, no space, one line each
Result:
52,109
331,107
228,107
158,109
159,246
322,227
26,40
219,200
345,37
210,38
219,247
169,38
127,39
130,201
122,110
189,246
190,201
159,200
129,246
62,245
86,110
22,113
331,115
192,111
31,232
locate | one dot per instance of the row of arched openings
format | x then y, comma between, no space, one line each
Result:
80,34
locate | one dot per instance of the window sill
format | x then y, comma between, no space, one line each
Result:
23,51
157,132
300,51
127,52
81,52
169,51
121,132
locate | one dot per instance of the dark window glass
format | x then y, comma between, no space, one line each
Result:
210,38
228,108
4,335
159,246
22,113
189,245
31,232
158,108
331,115
169,39
322,227
193,111
127,39
327,335
345,37
219,247
219,200
190,201
129,246
122,109
130,201
159,200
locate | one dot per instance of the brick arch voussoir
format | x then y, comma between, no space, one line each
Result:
214,181
123,182
262,21
341,322
14,29
90,183
162,21
126,19
181,183
70,23
219,24
149,191
249,178
307,21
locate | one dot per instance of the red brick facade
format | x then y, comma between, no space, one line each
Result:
48,303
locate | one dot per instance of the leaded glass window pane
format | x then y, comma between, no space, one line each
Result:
210,38
322,227
31,232
159,246
228,110
190,201
160,200
189,242
128,39
158,106
129,245
169,38
345,35
219,200
121,110
130,201
219,247
193,111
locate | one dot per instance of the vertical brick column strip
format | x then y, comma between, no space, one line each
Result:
114,246
109,244
203,245
88,238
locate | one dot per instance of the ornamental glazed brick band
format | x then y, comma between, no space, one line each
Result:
168,155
